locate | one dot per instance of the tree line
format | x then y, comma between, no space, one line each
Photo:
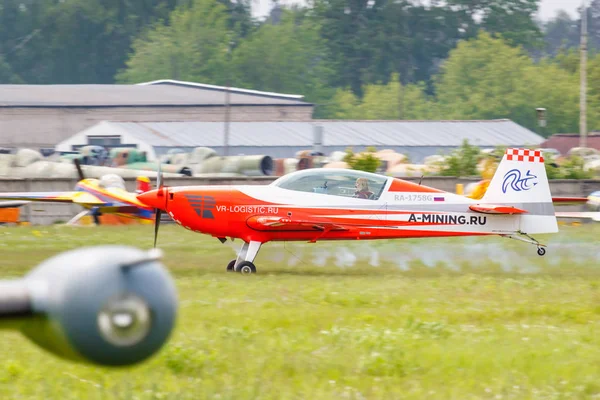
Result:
354,59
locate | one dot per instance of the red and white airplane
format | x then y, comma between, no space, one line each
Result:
341,204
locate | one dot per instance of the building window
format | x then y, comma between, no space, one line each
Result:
106,141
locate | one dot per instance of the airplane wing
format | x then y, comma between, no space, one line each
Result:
12,204
117,208
82,198
593,215
496,209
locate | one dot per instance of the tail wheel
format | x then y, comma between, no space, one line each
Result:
245,267
541,251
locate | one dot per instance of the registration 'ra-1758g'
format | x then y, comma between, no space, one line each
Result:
413,197
448,219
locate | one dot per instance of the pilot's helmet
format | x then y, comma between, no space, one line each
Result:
112,181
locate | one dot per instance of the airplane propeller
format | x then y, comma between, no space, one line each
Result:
79,169
158,211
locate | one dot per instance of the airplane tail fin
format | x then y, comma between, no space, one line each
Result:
143,184
520,181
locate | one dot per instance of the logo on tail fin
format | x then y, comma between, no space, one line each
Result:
517,183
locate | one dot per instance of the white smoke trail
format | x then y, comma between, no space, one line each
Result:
374,258
345,258
320,257
452,254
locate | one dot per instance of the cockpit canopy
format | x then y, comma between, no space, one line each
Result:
336,182
112,181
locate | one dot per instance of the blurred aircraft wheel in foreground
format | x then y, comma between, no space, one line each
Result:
107,305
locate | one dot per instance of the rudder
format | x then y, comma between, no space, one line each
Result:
521,181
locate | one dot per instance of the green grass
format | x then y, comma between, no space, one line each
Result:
407,319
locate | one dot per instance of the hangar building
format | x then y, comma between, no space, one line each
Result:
279,139
40,116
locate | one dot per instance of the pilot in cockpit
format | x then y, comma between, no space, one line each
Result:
362,189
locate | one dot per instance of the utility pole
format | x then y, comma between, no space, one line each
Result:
227,103
227,112
583,79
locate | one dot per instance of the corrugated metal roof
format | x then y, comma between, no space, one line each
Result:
335,133
134,95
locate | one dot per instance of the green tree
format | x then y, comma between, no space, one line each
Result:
7,76
365,161
593,93
369,41
555,89
396,101
287,58
344,105
462,161
73,41
192,46
392,101
560,33
512,19
485,78
568,59
572,168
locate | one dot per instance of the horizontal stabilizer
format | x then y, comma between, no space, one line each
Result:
593,215
567,201
496,209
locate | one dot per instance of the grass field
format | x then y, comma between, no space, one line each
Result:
445,319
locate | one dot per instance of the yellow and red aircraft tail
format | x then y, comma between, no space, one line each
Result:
143,184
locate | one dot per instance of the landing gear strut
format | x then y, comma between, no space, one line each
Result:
528,239
244,261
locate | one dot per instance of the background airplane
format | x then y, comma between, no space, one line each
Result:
341,204
591,202
106,195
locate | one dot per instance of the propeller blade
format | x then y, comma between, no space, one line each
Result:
156,224
79,169
159,176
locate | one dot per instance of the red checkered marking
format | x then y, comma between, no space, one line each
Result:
524,155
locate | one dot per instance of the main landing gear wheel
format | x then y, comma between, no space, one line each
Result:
541,251
231,266
246,267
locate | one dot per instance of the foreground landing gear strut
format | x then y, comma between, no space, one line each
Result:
244,261
541,248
